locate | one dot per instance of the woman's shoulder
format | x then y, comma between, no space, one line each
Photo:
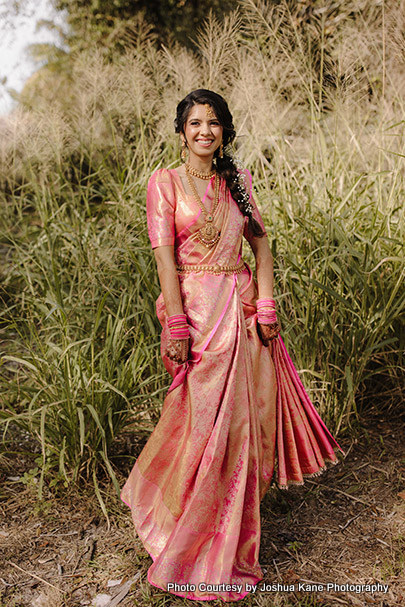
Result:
162,175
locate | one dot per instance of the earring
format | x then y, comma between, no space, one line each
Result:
183,154
221,150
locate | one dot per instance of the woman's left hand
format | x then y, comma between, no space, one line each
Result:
268,332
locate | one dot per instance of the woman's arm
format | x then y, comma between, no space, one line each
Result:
264,266
169,279
265,284
177,349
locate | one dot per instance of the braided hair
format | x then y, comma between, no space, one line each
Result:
225,166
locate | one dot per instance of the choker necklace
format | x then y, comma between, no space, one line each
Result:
197,173
209,234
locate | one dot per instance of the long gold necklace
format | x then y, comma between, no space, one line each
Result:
209,234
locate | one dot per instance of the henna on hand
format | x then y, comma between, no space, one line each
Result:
268,333
177,350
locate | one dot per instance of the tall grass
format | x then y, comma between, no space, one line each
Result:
81,356
319,109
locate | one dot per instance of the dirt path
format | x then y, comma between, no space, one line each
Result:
345,527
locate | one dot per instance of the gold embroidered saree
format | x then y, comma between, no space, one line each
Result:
231,412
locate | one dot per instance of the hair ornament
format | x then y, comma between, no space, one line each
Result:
248,208
209,111
240,180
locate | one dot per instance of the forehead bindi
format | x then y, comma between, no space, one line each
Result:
201,112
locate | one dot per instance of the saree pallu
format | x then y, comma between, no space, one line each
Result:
232,410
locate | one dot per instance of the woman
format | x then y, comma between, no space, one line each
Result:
236,403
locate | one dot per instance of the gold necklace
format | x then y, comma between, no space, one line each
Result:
209,234
199,174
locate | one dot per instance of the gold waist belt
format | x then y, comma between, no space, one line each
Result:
212,269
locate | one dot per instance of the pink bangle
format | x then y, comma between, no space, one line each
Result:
265,302
176,318
266,310
178,326
266,317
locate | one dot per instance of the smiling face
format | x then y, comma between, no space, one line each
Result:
203,133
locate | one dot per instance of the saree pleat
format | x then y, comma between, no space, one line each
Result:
232,412
304,443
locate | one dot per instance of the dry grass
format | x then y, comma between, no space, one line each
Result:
346,527
279,71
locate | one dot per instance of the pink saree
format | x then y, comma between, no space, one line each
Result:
232,411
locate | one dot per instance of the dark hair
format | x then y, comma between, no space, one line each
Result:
225,166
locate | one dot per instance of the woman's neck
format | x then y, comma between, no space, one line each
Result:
201,164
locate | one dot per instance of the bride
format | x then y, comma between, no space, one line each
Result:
236,414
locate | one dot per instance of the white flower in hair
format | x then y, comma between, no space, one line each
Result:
242,186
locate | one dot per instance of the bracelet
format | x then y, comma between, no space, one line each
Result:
266,310
266,302
178,326
266,317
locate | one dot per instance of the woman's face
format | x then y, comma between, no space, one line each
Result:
203,132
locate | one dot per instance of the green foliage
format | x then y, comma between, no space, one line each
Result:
339,315
85,354
106,22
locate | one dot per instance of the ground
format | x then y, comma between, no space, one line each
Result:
345,527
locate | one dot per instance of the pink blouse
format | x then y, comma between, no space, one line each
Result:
161,206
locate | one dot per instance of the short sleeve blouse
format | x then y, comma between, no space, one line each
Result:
160,209
161,206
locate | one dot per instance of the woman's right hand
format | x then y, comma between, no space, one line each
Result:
177,350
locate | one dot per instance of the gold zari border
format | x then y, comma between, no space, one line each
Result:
184,269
